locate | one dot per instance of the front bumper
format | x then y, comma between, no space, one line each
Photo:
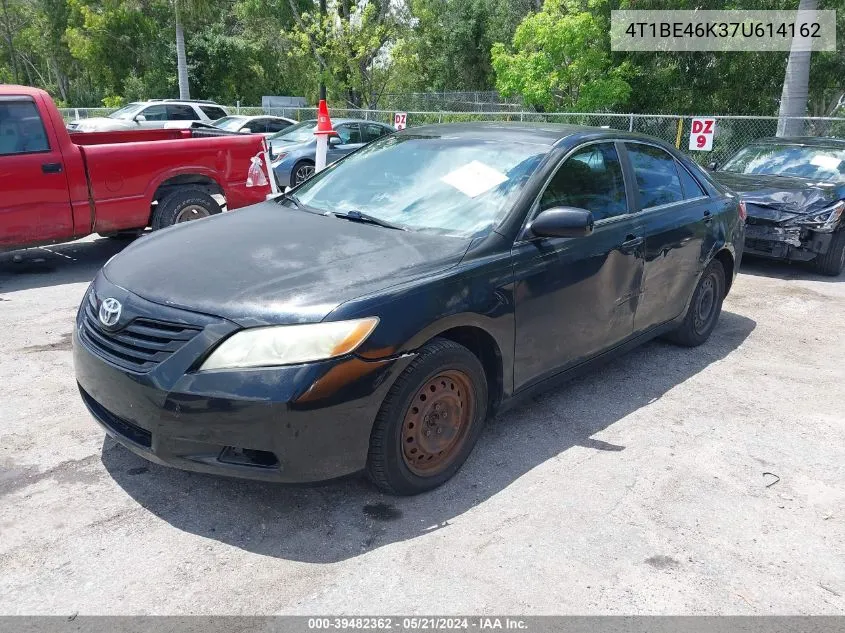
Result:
791,243
294,424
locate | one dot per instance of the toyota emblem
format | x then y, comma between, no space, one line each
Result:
110,312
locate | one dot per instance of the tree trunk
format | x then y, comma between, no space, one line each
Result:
796,82
10,43
181,60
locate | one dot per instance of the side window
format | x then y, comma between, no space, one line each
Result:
154,113
656,173
372,132
275,125
589,179
213,112
349,133
256,125
21,129
691,187
181,113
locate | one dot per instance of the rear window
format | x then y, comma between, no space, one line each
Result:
657,175
21,129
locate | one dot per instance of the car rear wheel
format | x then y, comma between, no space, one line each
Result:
833,261
429,421
704,309
184,205
302,172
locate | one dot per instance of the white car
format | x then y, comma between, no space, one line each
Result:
156,113
262,124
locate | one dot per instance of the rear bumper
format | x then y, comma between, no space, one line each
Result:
787,243
239,195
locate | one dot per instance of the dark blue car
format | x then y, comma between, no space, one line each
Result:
374,317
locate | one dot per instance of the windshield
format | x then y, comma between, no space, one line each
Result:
127,112
230,123
449,185
818,163
298,133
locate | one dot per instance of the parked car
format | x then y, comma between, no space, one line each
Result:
375,316
794,189
293,150
152,114
253,124
59,187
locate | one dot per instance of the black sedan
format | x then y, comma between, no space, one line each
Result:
794,189
375,316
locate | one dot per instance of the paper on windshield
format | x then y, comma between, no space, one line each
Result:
831,163
474,178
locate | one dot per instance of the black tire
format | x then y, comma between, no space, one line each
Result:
833,261
180,205
302,166
704,308
387,462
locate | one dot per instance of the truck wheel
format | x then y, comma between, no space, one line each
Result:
833,261
429,421
704,309
184,205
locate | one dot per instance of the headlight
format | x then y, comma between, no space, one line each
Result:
290,344
824,220
278,158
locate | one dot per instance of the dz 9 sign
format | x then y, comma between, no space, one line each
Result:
400,120
701,134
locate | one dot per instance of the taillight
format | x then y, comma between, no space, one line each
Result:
743,213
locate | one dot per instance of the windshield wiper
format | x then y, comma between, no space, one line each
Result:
293,198
357,216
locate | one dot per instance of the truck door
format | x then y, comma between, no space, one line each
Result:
35,203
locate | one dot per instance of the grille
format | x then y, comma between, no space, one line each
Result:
140,346
126,429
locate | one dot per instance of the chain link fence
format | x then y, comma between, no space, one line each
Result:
731,132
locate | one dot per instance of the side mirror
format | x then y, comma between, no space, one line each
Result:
335,140
562,222
244,130
140,118
713,166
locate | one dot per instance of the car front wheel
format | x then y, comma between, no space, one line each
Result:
302,172
833,261
429,421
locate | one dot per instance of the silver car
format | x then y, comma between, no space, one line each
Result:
293,150
263,124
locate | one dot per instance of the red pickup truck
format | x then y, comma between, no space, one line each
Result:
56,186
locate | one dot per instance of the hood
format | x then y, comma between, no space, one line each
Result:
780,198
102,124
269,264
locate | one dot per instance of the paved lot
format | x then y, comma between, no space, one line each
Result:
637,489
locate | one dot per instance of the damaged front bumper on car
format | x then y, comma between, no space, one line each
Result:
801,237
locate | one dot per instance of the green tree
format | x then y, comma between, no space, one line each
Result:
559,60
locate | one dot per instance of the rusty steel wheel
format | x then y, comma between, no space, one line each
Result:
429,420
437,422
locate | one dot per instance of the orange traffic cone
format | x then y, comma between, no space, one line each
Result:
324,123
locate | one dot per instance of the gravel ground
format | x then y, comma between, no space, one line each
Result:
641,488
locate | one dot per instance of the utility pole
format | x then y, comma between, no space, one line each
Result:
322,27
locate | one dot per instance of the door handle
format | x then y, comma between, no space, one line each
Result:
631,243
708,217
51,168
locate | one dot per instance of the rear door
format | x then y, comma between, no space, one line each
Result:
177,112
35,204
675,212
575,297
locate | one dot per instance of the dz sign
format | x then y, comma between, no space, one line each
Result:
701,134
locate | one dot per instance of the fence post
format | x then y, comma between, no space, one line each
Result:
680,131
76,114
238,107
631,123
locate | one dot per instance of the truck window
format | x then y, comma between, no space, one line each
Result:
21,129
213,112
154,113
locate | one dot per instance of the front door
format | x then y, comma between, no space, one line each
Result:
675,212
576,297
347,139
35,204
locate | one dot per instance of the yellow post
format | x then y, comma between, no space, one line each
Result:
680,131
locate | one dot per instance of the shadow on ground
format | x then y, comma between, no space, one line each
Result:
55,265
339,520
778,269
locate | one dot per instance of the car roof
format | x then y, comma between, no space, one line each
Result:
814,141
541,133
